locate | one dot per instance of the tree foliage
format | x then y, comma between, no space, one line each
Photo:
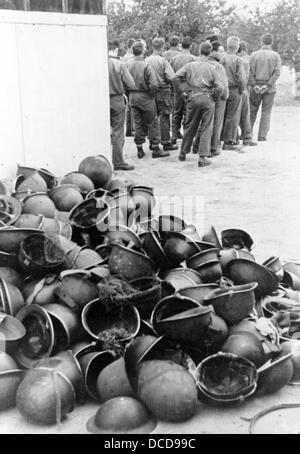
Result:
197,18
284,23
147,19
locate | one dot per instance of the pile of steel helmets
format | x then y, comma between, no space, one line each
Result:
101,300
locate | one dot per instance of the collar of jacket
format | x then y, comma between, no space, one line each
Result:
203,58
214,58
267,46
138,57
243,54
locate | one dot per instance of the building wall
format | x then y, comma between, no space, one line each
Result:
54,108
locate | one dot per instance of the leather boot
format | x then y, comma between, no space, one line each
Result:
170,147
124,166
249,143
158,153
214,153
140,153
203,162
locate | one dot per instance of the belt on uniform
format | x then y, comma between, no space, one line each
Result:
115,94
193,92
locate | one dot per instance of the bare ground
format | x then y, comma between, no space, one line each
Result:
258,191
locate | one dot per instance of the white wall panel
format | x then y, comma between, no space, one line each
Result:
11,142
88,95
56,79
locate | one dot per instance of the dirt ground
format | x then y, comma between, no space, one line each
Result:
258,191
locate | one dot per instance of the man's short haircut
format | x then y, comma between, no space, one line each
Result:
233,43
141,40
243,46
138,48
216,46
267,39
205,48
186,42
158,43
212,38
113,44
174,41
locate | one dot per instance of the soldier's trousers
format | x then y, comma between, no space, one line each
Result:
145,118
117,123
178,114
245,123
200,110
217,127
129,121
232,116
267,102
164,108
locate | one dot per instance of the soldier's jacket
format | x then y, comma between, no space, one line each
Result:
235,71
143,75
120,80
220,68
181,59
265,66
201,76
246,62
163,70
128,56
169,54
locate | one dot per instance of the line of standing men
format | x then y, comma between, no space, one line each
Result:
212,95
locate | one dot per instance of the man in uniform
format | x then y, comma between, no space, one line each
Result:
237,84
168,55
119,82
245,124
164,74
142,102
220,105
174,50
202,80
265,65
129,121
177,62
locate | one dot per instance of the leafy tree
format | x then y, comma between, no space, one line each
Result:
197,18
249,29
284,23
165,17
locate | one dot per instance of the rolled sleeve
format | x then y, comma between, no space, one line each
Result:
276,73
151,79
178,78
169,72
218,85
127,79
241,77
